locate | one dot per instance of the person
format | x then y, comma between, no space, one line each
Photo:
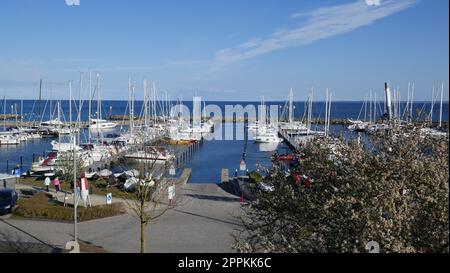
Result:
57,184
85,191
47,183
171,193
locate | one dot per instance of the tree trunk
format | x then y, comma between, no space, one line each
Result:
143,228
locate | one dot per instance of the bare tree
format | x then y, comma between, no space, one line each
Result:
149,200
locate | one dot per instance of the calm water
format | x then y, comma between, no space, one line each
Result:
339,110
208,161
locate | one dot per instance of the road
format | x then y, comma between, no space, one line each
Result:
203,222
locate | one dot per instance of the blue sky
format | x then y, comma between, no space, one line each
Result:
225,50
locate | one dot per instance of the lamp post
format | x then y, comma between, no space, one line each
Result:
75,190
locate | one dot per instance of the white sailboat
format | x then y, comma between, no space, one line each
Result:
292,127
99,124
266,133
156,154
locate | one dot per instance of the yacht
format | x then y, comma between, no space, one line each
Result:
8,139
267,134
157,154
101,124
64,147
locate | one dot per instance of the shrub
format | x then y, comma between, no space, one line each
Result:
39,207
255,177
100,183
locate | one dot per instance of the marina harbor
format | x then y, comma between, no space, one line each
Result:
210,130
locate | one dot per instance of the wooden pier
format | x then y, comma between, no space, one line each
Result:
290,141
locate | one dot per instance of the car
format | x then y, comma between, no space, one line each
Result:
8,200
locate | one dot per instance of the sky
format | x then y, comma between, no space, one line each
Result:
225,50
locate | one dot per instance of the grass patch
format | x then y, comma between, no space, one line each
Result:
42,206
39,182
118,193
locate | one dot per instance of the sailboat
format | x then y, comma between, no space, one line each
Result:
6,137
266,133
290,126
99,123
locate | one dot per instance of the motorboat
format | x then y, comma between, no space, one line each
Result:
268,147
64,147
358,126
7,139
158,154
45,164
101,124
294,128
267,135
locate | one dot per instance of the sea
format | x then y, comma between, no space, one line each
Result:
212,156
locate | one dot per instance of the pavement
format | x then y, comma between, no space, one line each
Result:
203,221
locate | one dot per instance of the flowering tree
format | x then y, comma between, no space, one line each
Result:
393,190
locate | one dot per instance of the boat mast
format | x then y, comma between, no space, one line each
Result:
4,113
326,113
370,106
412,101
291,105
70,103
407,103
432,106
154,102
58,106
15,112
329,113
374,107
21,113
131,104
365,108
98,104
145,104
90,107
80,107
50,109
40,96
440,112
310,108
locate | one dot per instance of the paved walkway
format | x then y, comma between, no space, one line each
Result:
203,222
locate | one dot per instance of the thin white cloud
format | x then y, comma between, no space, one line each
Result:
319,24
